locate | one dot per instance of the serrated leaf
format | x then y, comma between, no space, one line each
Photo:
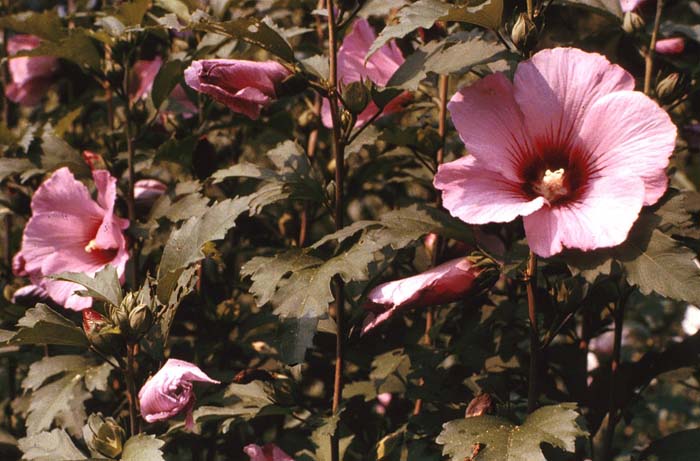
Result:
104,286
49,446
178,150
46,25
679,446
424,13
453,55
251,30
12,166
167,79
500,440
132,13
42,325
245,401
296,336
77,47
143,447
184,247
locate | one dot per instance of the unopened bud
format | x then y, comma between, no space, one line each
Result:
521,31
132,317
93,322
140,320
356,97
666,89
632,22
107,436
480,405
306,118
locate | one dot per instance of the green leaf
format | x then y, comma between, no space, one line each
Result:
500,440
611,7
62,400
167,79
143,447
456,54
57,153
132,13
296,336
104,286
424,13
12,166
251,30
184,247
389,374
77,47
49,446
243,401
46,25
679,446
178,150
42,325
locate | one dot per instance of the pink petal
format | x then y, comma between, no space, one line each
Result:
628,134
477,195
147,191
29,295
143,74
674,45
64,294
602,217
489,122
556,87
445,283
269,452
629,5
63,192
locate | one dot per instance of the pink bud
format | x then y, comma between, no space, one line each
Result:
147,191
169,392
245,87
268,452
445,283
674,45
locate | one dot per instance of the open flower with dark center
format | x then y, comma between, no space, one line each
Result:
568,145
169,392
71,232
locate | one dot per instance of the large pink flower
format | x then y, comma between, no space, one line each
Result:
169,392
246,87
31,76
268,452
70,232
378,68
445,283
568,145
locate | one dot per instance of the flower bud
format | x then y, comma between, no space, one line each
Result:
356,97
667,88
632,22
346,120
132,317
101,333
140,320
107,436
520,34
94,322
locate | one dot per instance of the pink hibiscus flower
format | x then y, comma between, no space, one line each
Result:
31,76
379,69
70,232
268,452
442,284
246,87
169,392
568,145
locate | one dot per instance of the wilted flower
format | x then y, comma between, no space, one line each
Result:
569,146
268,452
674,45
379,68
246,87
445,283
147,191
31,76
169,392
71,232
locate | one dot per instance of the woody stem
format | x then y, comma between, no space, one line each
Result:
338,149
530,276
649,57
131,388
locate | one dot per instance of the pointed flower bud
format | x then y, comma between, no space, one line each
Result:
632,22
106,436
356,97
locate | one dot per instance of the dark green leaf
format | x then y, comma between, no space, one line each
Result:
46,25
679,446
42,325
168,77
178,150
104,286
77,47
132,13
500,440
605,6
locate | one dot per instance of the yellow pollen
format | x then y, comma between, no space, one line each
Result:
552,186
91,246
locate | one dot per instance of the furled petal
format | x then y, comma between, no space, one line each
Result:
628,134
602,217
442,284
169,391
674,45
478,195
269,452
557,86
490,124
